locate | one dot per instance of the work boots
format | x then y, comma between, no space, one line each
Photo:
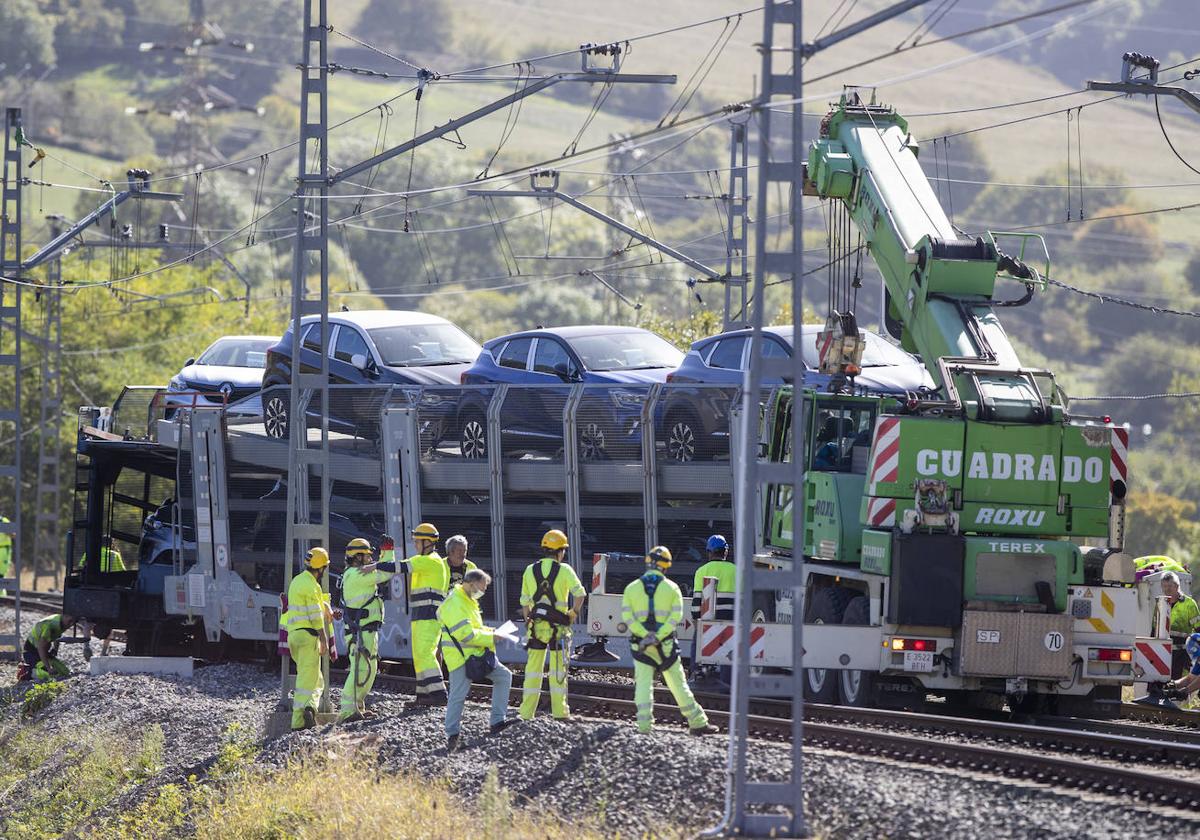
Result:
707,729
502,725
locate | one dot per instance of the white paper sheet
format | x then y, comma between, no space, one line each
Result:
507,630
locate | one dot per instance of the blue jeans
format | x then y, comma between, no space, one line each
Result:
501,679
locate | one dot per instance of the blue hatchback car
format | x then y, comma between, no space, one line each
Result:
694,431
608,421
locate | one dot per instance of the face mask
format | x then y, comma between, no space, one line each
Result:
476,594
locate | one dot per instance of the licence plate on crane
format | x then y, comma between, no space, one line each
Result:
918,660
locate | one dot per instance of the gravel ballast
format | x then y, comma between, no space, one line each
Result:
583,767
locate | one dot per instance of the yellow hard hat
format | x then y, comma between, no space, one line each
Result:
660,555
426,531
357,546
554,540
317,558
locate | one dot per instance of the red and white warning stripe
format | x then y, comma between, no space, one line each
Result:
599,573
881,513
708,598
885,452
1152,660
826,339
1119,465
757,645
716,641
281,645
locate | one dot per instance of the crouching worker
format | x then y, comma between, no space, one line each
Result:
363,611
652,607
39,658
469,651
1179,689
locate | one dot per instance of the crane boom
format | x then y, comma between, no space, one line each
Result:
939,282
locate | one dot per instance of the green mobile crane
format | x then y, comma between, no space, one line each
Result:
955,542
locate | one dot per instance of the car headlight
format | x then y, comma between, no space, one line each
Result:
176,384
627,399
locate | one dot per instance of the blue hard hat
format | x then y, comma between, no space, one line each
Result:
1192,646
716,543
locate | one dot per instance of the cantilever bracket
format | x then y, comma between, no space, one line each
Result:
137,191
589,77
545,185
1182,94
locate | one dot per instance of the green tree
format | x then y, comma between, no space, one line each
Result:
26,37
87,27
1159,523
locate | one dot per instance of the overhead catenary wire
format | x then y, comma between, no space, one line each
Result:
1151,212
442,77
1102,100
1180,395
1104,297
150,271
703,69
926,26
966,34
709,118
670,30
1167,137
712,117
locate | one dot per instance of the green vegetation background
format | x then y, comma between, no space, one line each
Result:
75,67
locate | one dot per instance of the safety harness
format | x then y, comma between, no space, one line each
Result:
650,582
353,617
543,606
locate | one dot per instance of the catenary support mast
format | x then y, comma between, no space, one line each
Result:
10,363
307,462
755,810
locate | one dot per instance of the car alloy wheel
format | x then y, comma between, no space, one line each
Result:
681,442
275,416
591,442
472,443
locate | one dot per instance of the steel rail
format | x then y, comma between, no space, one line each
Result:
1059,771
1132,740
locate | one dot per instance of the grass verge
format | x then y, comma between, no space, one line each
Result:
56,786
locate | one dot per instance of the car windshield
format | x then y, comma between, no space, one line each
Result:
424,345
877,353
625,351
237,352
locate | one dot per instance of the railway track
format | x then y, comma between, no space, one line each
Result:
857,731
1134,739
45,601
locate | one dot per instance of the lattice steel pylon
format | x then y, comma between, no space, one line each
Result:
48,484
754,804
10,364
310,262
737,203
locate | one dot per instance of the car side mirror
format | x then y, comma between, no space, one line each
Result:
564,372
190,361
360,361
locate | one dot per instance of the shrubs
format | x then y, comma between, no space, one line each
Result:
39,696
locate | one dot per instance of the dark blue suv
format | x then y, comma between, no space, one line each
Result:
608,420
382,347
694,430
